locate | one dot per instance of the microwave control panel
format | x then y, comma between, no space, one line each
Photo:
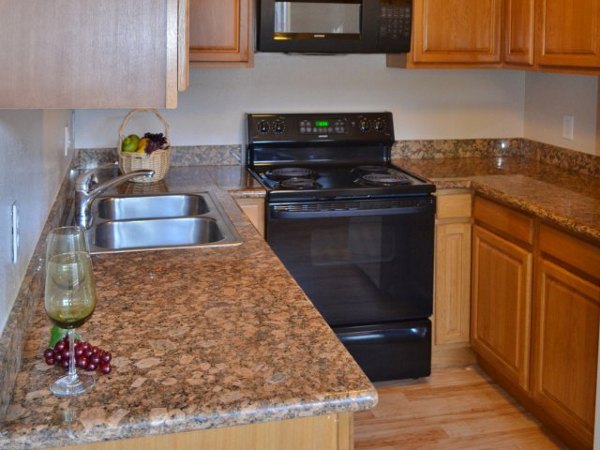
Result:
395,21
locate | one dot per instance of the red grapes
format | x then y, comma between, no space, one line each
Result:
87,357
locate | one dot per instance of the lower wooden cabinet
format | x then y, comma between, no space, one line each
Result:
452,279
501,304
327,432
566,326
254,209
535,321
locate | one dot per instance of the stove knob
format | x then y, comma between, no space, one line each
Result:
379,125
279,127
263,126
363,125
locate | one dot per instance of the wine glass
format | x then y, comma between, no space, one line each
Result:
70,298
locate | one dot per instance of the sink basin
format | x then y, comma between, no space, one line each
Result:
158,222
157,233
151,206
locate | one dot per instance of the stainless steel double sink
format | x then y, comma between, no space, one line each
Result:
158,221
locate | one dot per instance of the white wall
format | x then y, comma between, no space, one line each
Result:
427,104
549,97
33,165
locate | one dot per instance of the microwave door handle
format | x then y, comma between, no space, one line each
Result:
352,212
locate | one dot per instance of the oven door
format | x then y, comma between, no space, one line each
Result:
360,262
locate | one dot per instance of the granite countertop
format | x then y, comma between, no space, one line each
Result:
567,199
201,338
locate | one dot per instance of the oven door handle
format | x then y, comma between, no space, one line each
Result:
282,214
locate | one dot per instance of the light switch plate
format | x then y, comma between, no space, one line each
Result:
568,127
14,217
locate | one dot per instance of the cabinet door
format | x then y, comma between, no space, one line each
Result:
565,350
457,31
220,31
568,33
518,32
501,305
452,283
76,54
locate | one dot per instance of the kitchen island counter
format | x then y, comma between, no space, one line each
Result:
201,339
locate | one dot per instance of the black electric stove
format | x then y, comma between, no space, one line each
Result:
355,231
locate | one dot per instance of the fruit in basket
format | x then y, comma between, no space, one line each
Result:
130,143
157,141
143,145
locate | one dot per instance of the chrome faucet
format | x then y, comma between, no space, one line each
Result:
85,195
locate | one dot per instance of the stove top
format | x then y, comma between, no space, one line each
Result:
333,182
325,156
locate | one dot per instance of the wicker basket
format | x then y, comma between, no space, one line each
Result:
157,160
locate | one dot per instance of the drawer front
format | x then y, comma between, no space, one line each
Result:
503,219
453,205
575,252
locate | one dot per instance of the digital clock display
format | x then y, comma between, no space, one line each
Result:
321,123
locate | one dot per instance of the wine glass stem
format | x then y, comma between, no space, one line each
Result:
72,369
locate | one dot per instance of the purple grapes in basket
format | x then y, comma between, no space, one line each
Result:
157,141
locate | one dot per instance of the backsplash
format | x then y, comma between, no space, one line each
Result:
457,148
197,155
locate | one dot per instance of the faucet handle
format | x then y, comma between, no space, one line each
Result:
85,181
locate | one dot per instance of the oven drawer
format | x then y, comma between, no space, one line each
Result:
390,351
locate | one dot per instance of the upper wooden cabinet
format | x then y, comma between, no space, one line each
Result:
568,33
518,31
220,33
456,31
75,54
553,35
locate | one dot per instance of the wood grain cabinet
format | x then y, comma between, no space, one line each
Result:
535,316
452,279
454,32
220,33
71,54
254,209
567,33
501,290
565,346
326,432
518,31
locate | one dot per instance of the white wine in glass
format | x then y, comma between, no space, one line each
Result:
70,299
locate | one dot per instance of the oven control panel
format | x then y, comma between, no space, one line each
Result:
327,127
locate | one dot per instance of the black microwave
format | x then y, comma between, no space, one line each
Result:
334,26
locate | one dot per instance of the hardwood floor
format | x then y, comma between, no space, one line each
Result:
456,408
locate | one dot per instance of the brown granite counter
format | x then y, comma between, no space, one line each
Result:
567,199
201,338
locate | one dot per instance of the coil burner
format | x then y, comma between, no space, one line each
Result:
384,179
283,173
299,183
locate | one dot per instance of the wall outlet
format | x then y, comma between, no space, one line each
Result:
16,238
568,127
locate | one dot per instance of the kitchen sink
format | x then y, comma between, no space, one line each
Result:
151,206
171,232
158,222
